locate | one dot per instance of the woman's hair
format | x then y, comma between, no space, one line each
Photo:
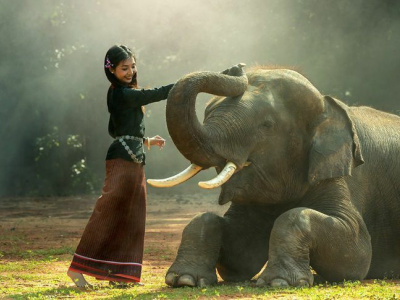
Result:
114,56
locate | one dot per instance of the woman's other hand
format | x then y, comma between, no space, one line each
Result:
157,141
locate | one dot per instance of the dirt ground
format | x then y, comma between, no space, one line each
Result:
31,224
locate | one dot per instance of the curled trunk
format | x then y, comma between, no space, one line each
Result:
187,133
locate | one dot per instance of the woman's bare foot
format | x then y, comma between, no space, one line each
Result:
78,279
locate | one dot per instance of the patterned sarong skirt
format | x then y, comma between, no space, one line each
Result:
111,247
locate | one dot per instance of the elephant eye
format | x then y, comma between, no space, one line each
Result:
268,123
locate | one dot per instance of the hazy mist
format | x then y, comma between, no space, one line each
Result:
51,65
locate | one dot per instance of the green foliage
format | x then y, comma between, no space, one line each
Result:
46,144
60,165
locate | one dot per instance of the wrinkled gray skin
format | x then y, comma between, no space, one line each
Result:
322,189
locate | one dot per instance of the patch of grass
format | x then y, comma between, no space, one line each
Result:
20,266
44,254
38,279
13,238
352,290
159,251
47,253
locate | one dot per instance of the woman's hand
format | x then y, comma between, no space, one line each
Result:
155,141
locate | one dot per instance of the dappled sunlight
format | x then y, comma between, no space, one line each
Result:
54,121
347,48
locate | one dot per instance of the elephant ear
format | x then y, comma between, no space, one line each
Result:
335,149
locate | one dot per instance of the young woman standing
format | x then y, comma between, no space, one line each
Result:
111,247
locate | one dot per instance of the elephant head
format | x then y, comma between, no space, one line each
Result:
269,133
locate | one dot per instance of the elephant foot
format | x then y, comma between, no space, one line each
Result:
281,283
191,277
278,282
284,276
195,263
175,280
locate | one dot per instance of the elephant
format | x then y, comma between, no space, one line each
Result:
313,183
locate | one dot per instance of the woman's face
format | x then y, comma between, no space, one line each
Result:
125,70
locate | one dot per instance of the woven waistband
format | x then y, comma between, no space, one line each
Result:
124,144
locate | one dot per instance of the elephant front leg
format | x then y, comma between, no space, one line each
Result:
195,264
337,248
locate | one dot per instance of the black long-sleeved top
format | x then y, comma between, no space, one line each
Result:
126,117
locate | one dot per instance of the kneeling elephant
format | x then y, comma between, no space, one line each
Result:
312,182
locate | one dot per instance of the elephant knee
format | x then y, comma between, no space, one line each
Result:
296,217
204,227
201,240
207,218
295,223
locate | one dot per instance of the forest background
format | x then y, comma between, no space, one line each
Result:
53,114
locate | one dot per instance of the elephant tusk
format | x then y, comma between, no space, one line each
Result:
221,178
186,174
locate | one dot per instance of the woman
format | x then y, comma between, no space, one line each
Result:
111,247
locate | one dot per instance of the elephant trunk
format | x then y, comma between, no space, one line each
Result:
190,137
